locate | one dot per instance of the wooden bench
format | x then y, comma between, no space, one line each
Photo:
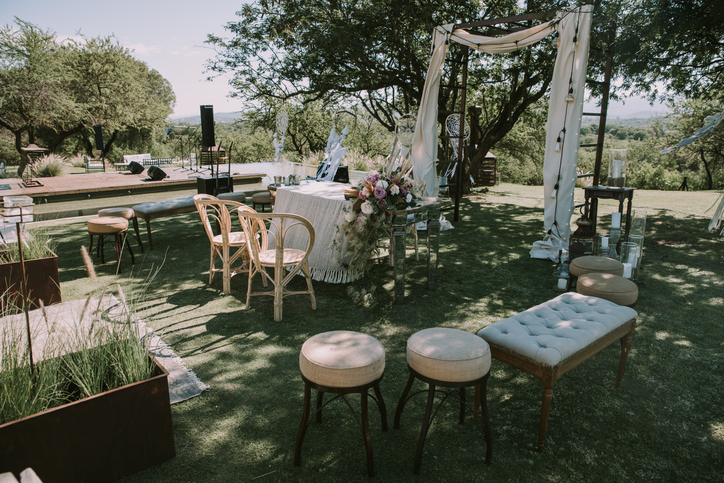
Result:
184,204
554,337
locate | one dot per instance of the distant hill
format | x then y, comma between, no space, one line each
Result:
641,122
223,117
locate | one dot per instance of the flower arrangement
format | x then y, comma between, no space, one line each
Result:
367,211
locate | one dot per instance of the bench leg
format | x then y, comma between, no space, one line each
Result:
625,346
544,413
148,231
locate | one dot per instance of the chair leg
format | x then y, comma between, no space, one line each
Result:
403,401
425,428
101,242
278,292
310,288
625,346
366,433
462,406
320,401
226,274
138,234
303,426
381,405
212,257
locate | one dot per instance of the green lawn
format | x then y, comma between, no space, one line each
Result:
665,422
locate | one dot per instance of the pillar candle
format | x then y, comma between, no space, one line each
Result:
616,219
616,171
604,242
627,270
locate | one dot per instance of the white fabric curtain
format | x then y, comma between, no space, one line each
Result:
564,122
424,141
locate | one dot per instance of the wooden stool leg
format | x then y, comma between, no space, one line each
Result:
544,413
366,433
403,401
381,406
138,233
425,428
118,246
101,242
320,398
90,250
462,406
303,426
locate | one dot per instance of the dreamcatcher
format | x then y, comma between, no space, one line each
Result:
282,125
399,156
452,123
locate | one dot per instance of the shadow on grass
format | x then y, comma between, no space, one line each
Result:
665,423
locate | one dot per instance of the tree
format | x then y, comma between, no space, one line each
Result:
676,43
375,54
52,92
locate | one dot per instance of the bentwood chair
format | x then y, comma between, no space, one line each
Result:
228,245
266,232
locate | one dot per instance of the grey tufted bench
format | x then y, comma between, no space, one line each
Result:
554,337
174,206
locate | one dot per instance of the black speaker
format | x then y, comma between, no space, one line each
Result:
135,168
99,136
207,126
342,175
156,173
208,185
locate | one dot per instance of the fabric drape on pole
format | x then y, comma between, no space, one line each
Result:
564,122
424,141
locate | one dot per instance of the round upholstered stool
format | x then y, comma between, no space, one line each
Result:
262,199
126,213
341,362
593,264
608,286
107,226
448,358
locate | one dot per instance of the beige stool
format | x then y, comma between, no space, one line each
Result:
593,264
110,225
126,213
262,199
448,358
341,362
610,287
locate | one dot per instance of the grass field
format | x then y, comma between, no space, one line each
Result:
665,422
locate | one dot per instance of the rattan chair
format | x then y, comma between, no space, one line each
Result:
263,228
228,245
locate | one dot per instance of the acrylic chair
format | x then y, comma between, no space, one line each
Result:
267,232
228,245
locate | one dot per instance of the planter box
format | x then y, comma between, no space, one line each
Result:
42,275
100,439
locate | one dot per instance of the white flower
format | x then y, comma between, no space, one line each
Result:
350,217
366,192
373,172
382,184
367,208
395,190
408,198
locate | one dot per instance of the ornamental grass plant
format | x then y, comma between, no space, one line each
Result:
665,422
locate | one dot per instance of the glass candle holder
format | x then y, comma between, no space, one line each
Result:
614,235
617,167
638,222
639,241
603,245
630,258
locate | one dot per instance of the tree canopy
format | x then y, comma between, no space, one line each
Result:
51,91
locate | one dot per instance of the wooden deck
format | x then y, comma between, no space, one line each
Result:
112,183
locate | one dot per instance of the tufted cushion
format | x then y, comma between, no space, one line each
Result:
342,358
448,355
608,286
183,204
126,213
107,225
553,331
592,264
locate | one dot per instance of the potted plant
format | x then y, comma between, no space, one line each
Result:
92,406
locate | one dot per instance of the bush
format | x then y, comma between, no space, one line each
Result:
49,166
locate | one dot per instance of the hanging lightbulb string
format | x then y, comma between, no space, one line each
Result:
561,139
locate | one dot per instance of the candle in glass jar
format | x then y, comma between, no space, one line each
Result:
562,282
616,169
616,219
627,270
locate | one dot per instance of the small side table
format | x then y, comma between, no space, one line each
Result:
429,211
594,193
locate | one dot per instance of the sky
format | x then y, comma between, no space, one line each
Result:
169,37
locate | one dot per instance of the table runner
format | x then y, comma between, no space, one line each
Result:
322,204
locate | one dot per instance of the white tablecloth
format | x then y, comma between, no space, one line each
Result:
321,203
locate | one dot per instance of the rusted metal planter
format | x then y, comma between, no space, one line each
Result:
98,439
42,275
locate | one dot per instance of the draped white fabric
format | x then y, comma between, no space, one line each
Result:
564,120
424,141
569,72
